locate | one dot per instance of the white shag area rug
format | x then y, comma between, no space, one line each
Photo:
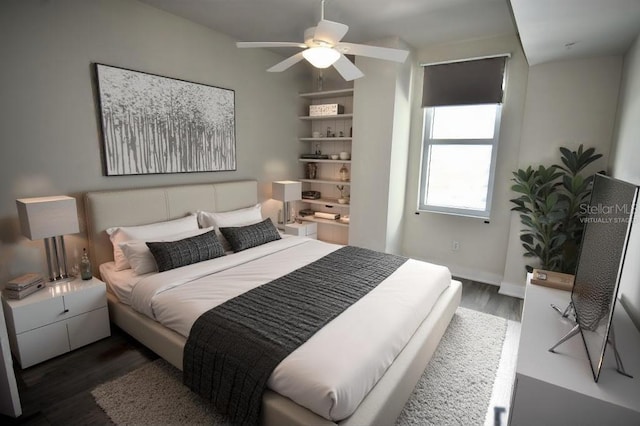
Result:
469,375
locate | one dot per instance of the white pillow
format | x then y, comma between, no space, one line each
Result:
139,256
120,234
240,217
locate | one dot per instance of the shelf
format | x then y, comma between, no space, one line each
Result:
328,94
330,229
313,160
329,181
325,139
333,202
324,221
326,117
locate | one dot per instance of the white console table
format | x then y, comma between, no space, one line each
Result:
558,388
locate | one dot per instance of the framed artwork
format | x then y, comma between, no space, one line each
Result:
153,124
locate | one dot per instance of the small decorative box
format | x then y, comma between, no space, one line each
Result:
325,109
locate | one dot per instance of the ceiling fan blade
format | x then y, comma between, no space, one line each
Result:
269,44
386,53
329,31
346,69
291,60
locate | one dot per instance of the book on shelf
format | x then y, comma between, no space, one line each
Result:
314,156
330,216
310,195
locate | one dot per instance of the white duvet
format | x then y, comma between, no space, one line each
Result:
333,371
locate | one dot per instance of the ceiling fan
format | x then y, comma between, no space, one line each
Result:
323,47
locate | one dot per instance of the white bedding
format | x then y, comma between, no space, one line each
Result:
120,283
333,371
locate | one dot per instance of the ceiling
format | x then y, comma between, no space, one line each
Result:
418,22
549,29
561,29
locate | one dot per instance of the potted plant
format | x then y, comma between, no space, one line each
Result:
550,209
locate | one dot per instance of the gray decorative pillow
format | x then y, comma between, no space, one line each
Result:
174,254
244,237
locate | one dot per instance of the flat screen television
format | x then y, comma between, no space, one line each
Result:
609,217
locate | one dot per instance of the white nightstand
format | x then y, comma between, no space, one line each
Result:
56,320
304,229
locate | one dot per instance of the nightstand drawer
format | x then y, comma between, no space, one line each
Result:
34,315
87,328
90,299
41,344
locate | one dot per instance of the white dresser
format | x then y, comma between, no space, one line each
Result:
56,320
558,388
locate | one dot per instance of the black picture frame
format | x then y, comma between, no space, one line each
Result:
153,124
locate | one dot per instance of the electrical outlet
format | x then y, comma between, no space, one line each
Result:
455,245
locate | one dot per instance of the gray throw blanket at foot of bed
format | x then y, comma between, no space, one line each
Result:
233,349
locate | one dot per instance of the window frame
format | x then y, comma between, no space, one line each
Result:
425,158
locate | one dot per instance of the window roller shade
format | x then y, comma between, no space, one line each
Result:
464,83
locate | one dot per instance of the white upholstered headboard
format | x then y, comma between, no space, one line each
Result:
129,207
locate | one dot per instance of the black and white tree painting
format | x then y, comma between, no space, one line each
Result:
153,124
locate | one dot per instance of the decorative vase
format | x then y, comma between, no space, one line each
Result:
312,170
85,266
344,173
344,198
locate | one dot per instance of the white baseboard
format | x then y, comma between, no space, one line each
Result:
511,289
475,275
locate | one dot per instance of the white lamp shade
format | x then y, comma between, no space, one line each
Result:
286,190
321,57
45,217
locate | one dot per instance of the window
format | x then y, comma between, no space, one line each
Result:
460,138
458,159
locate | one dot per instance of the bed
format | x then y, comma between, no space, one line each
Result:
380,405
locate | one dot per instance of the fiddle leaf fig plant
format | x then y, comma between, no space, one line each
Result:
550,208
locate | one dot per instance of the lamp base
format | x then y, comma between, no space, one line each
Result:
60,280
281,225
57,260
284,216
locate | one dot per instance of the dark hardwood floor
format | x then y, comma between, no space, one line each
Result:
58,391
485,298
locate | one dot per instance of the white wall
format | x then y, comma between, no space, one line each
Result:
49,127
568,103
399,159
370,153
429,236
381,123
625,155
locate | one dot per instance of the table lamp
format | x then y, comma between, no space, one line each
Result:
50,218
286,191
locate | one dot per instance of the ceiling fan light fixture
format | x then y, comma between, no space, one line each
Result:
321,57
